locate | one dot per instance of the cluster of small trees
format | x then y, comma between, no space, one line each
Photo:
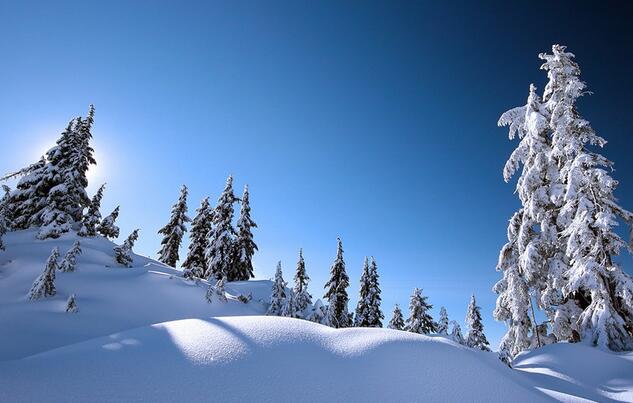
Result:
559,257
217,250
297,303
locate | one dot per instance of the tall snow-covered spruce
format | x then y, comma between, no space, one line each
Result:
368,313
420,321
174,230
196,262
92,218
336,293
442,324
221,244
475,337
278,294
561,243
302,298
245,247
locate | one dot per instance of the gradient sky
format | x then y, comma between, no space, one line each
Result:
372,121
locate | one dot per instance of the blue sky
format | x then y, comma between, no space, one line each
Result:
372,121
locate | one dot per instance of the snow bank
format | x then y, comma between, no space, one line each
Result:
265,359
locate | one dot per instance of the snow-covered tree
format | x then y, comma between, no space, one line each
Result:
442,324
107,228
419,320
368,313
289,308
5,214
302,298
70,259
71,304
317,313
476,337
196,262
216,292
244,245
221,247
29,196
174,230
397,319
278,295
92,218
44,284
456,333
363,299
123,253
337,291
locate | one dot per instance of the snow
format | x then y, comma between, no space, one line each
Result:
145,334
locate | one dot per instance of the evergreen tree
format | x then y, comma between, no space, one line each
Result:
5,215
302,297
337,291
123,253
374,315
44,285
363,300
174,230
71,304
70,259
419,320
244,245
92,218
196,262
217,292
107,228
442,324
28,198
456,333
317,313
221,247
476,337
278,295
397,320
288,308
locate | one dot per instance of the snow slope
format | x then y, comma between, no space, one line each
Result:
110,298
145,334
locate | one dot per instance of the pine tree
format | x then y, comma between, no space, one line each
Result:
5,214
442,324
317,313
278,295
476,337
174,230
92,218
221,246
374,315
123,253
107,228
302,297
196,262
337,291
456,333
244,245
44,285
71,304
419,320
29,197
70,259
363,300
397,320
288,308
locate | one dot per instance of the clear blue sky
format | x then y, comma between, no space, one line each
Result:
372,121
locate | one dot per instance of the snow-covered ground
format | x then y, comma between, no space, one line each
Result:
144,334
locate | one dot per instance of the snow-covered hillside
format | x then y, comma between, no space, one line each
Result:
145,334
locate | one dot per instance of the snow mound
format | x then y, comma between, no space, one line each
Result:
266,359
110,297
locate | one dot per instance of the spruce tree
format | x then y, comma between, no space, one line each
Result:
289,308
456,333
71,304
221,245
476,337
107,228
123,253
244,245
217,292
44,285
397,320
174,230
92,218
5,215
337,291
70,259
419,320
278,294
442,324
374,315
29,196
196,262
362,307
317,313
302,297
